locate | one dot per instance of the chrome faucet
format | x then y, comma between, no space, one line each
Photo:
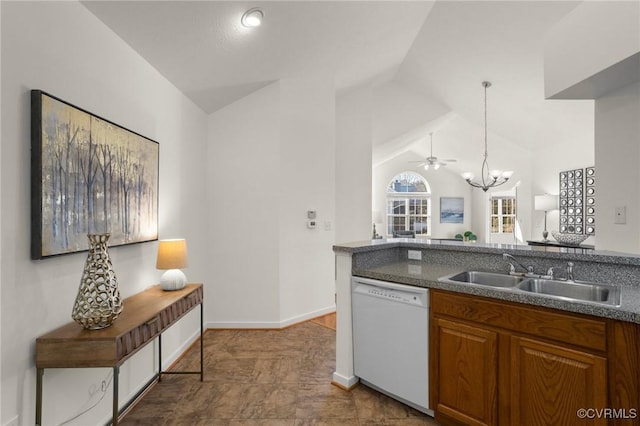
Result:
568,272
512,267
551,274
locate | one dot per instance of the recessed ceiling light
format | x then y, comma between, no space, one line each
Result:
252,17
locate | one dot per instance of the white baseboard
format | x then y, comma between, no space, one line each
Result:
308,316
343,381
271,324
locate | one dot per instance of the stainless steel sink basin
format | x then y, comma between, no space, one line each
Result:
484,278
580,291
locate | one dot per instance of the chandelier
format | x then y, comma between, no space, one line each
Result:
489,178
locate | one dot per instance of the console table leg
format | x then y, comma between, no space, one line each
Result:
39,374
116,372
201,342
159,357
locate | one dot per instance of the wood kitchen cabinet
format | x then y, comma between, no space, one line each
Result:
467,373
502,363
550,383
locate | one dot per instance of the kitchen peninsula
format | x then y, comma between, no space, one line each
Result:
501,355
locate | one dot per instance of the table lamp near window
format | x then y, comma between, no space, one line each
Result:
172,255
545,203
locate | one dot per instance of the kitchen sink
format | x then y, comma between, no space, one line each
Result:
580,291
484,278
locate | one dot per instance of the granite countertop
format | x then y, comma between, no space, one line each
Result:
421,274
599,256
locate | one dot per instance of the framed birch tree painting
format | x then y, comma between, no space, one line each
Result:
88,175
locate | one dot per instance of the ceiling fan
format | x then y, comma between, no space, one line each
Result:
432,161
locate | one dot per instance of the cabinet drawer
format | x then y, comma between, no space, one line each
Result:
179,308
559,326
137,337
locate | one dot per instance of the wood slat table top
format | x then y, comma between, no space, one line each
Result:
137,309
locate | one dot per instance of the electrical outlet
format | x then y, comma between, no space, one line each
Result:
620,215
414,254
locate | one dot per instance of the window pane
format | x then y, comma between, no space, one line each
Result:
503,210
419,225
495,224
419,186
412,206
508,206
398,207
399,224
508,223
408,204
421,206
408,182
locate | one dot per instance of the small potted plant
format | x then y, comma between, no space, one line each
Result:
467,236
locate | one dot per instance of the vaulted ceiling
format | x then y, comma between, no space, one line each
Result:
432,56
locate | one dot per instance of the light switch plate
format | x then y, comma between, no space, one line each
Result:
414,254
620,215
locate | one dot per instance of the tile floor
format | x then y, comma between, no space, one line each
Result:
266,378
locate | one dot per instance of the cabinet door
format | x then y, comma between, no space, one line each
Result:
466,371
550,383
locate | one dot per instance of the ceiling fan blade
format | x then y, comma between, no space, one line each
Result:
450,160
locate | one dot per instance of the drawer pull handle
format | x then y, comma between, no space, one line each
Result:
151,321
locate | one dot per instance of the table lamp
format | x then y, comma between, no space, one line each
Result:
546,203
172,255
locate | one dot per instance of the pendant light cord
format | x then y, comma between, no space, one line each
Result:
489,180
485,162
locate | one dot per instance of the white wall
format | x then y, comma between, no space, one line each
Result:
353,166
397,109
593,37
617,155
306,182
63,49
576,154
271,159
243,172
592,53
1,418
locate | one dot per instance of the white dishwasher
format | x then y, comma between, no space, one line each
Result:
391,339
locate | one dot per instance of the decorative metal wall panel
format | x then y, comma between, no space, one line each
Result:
572,201
590,201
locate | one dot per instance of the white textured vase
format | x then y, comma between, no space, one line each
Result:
98,302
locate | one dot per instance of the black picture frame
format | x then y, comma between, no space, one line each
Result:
88,175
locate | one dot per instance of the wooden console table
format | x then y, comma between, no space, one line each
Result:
558,245
144,316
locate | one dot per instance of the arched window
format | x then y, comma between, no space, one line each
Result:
409,204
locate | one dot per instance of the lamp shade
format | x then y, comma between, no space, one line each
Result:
172,254
546,202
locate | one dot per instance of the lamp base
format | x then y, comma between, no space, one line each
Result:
545,234
173,279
